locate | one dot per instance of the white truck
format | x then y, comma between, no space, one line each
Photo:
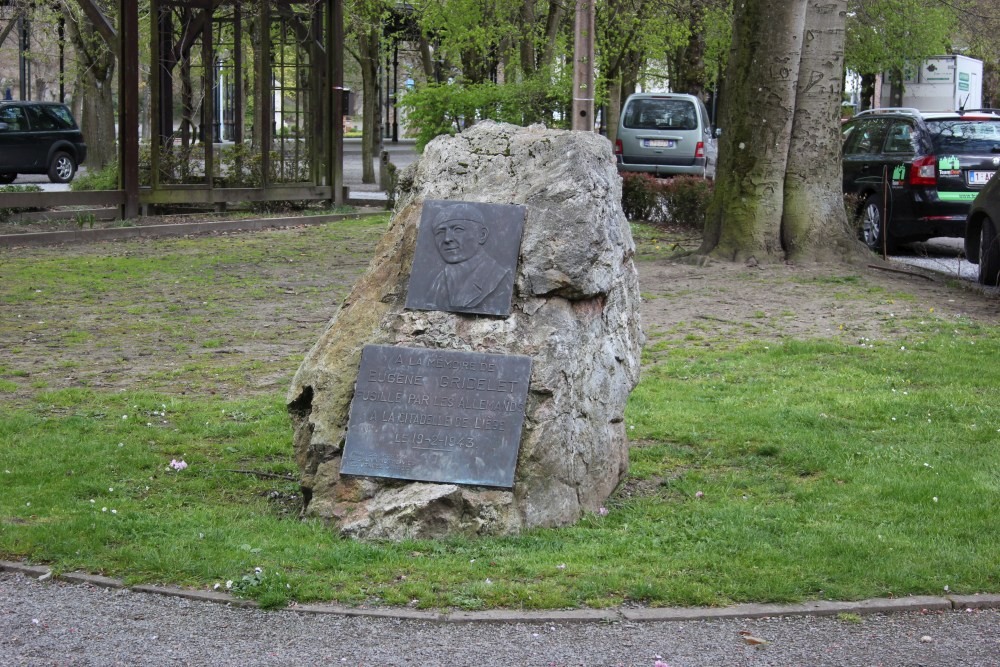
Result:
940,83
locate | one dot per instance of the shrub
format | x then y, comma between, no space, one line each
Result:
685,201
640,196
105,178
681,201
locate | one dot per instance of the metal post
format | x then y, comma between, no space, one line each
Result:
24,65
62,59
583,67
335,40
128,106
395,92
388,92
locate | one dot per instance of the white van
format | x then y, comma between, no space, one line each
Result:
666,134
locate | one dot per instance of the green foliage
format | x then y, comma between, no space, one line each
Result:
105,178
436,109
887,34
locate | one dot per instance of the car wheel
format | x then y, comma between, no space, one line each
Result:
62,168
6,179
873,227
989,254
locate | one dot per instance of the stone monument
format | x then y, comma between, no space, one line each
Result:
448,398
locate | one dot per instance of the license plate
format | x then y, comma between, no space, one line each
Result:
980,177
659,143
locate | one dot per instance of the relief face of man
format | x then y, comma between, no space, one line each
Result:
471,277
460,239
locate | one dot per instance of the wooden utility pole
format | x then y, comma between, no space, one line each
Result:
583,67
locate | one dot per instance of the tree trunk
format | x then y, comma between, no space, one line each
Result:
614,108
867,92
745,215
526,47
97,79
552,23
814,224
371,139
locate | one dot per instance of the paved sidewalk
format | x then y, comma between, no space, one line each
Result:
86,620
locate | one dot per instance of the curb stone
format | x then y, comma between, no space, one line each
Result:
916,603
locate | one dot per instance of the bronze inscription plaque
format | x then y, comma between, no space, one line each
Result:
466,257
437,415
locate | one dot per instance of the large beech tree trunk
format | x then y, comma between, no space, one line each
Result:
814,224
778,190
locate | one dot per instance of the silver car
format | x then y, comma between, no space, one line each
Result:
666,134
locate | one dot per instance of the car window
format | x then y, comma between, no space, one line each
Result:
865,137
14,117
45,118
705,122
899,138
660,114
965,135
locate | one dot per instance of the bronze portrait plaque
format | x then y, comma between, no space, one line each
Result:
437,416
466,257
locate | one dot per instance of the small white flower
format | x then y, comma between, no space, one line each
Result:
124,416
488,580
561,566
216,587
114,511
229,584
935,498
104,509
27,504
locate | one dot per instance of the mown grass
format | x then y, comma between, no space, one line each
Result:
761,471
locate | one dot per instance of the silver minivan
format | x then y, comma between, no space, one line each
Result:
666,134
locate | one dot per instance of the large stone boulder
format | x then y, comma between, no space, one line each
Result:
575,313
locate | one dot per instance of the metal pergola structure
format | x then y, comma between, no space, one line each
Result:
258,87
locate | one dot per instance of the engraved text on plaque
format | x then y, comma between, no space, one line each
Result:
437,415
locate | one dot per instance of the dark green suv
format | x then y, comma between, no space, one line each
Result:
915,174
39,138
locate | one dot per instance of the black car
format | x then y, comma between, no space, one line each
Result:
915,174
982,233
39,138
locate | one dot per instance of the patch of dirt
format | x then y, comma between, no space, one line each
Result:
254,303
723,301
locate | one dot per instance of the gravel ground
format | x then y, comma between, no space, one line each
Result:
55,623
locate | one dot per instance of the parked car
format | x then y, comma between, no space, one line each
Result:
915,174
982,233
666,134
39,138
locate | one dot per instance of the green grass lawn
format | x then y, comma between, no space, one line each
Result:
761,470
